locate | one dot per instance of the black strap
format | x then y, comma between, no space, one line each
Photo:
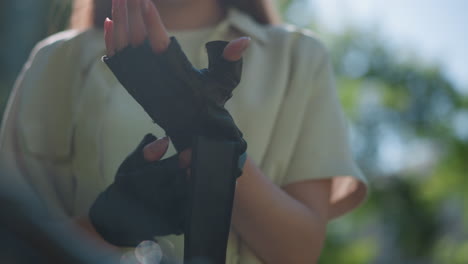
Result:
211,195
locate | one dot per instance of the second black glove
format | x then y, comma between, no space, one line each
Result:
146,199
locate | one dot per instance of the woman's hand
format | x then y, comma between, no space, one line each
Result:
184,101
135,20
146,199
154,151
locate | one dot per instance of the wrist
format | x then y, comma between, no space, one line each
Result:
242,160
84,223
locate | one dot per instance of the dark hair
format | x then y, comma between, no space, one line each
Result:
91,13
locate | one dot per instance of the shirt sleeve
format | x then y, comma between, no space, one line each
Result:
322,148
23,165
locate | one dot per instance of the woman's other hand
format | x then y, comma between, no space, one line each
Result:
148,198
155,150
135,20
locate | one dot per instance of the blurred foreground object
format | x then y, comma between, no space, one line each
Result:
30,235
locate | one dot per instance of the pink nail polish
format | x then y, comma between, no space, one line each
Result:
246,43
106,25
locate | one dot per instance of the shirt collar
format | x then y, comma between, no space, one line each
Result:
245,24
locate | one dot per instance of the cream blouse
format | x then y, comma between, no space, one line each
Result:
69,122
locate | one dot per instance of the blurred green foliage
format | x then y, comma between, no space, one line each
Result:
409,112
410,133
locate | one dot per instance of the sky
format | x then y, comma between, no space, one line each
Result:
436,31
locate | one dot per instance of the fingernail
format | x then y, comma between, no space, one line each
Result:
160,142
106,24
246,43
154,148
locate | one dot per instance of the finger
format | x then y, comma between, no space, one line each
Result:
185,157
156,149
136,25
120,18
225,61
157,34
109,37
235,49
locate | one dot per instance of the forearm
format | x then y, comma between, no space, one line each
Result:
278,228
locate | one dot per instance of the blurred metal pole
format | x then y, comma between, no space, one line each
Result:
212,183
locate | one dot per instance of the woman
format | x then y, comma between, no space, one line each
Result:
65,137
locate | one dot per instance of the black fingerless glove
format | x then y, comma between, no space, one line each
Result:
184,101
146,199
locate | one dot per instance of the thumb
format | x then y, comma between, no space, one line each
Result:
156,149
235,49
225,60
